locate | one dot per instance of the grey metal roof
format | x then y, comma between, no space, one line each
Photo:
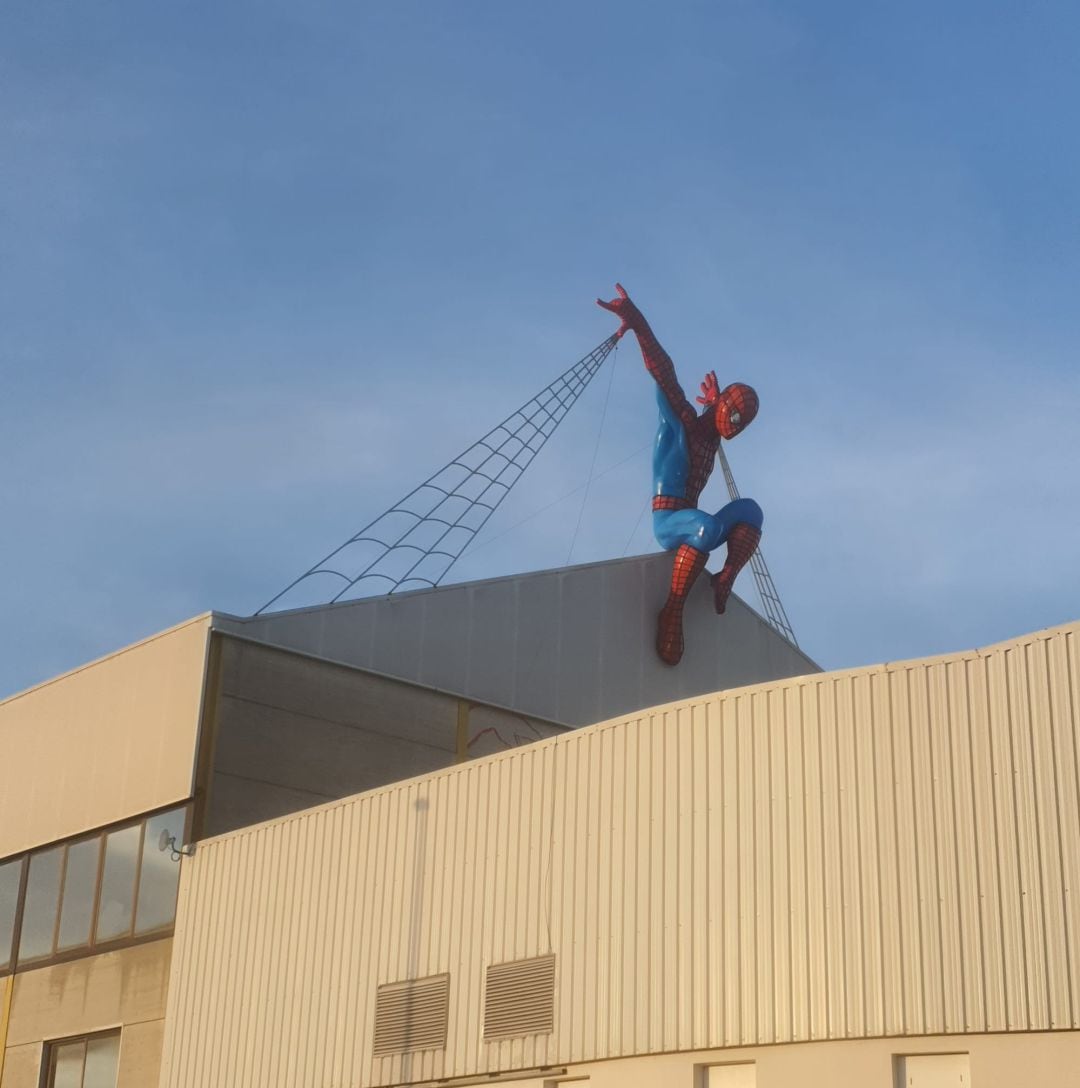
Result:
574,645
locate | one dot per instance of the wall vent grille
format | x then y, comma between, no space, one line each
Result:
520,998
412,1015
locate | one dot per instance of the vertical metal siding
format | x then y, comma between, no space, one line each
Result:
887,851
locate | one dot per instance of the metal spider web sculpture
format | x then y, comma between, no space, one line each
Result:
418,540
770,599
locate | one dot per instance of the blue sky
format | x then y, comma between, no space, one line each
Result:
263,267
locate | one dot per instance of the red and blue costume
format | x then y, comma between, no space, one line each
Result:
683,460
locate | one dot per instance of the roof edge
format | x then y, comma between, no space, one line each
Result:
202,616
571,734
334,605
872,669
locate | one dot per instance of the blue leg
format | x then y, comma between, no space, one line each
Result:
740,510
703,531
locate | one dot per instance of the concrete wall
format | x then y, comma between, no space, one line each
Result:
503,641
124,989
292,731
107,741
886,852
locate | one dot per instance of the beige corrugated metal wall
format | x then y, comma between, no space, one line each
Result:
107,741
888,851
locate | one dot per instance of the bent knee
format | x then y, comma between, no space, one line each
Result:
748,511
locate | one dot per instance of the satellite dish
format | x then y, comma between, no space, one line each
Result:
167,841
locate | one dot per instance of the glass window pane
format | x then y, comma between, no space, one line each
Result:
39,913
10,875
68,1068
160,875
80,881
117,906
102,1056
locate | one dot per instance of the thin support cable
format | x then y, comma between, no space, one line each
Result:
475,547
637,524
770,599
596,450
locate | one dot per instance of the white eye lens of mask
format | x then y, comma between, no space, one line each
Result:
735,418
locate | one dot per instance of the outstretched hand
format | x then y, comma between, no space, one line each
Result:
710,390
624,309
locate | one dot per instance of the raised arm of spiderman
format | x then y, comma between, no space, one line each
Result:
657,361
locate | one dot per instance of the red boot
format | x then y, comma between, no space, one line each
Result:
689,563
741,542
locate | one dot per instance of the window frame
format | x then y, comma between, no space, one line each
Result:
96,895
51,1049
93,946
20,906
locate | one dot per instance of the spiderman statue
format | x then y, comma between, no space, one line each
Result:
683,461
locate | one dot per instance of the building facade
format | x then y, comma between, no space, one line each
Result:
859,878
110,772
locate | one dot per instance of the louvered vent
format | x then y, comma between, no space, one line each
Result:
412,1015
520,998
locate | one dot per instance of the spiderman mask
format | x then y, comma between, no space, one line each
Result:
736,407
733,408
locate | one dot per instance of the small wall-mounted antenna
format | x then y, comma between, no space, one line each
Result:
167,841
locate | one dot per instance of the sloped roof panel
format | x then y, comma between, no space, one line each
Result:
573,645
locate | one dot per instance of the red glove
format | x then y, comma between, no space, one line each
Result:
710,390
625,310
